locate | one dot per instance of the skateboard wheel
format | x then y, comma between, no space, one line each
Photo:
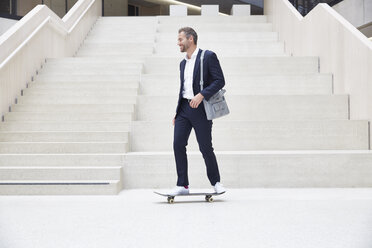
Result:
170,199
208,198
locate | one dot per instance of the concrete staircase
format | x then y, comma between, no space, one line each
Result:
101,121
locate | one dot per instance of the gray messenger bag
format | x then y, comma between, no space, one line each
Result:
216,106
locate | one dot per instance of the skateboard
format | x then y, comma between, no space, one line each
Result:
208,196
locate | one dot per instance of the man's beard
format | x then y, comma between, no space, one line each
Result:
184,48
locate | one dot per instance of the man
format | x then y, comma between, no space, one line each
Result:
190,111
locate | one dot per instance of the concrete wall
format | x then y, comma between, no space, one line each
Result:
341,48
5,24
357,12
116,8
39,35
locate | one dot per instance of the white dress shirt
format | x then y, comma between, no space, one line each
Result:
188,74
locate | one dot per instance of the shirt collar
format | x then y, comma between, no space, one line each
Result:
194,54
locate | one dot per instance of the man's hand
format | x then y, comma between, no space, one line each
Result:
174,120
194,103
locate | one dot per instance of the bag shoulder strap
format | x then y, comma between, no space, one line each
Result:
201,70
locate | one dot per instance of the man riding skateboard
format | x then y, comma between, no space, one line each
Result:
190,112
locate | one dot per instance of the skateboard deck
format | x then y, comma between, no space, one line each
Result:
208,196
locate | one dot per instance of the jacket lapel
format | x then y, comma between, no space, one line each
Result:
197,67
196,74
182,77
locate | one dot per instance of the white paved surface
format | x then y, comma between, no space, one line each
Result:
256,218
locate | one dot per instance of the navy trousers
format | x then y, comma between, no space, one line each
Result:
186,119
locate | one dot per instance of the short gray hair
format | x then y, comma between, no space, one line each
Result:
189,32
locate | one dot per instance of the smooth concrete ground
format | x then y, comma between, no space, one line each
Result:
269,218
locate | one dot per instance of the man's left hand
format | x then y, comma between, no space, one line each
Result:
194,103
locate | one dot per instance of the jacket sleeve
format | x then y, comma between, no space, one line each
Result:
215,75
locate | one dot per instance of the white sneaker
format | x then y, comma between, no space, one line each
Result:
218,188
179,190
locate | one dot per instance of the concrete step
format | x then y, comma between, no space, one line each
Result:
124,28
106,51
125,79
245,48
50,173
123,47
85,86
127,19
258,135
56,71
104,37
254,169
256,108
205,28
74,108
100,92
188,20
76,100
225,36
120,61
62,147
241,65
61,160
316,83
74,126
65,187
67,116
22,136
79,64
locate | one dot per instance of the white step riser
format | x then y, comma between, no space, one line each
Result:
75,68
75,108
253,66
242,135
84,85
68,79
64,137
123,46
204,29
256,108
104,71
271,51
148,20
86,147
97,37
66,126
105,52
254,170
211,19
226,47
77,100
13,116
93,64
226,37
112,188
59,173
122,30
82,93
115,39
320,84
61,160
126,28
88,61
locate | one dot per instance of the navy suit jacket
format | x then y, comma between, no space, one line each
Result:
212,75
